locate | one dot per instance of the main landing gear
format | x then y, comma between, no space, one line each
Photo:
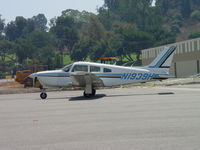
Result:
43,95
89,95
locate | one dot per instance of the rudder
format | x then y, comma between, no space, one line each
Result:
164,59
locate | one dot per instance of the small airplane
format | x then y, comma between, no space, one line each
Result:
91,76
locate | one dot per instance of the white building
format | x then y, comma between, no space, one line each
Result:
186,60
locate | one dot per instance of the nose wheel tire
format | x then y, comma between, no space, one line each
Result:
43,95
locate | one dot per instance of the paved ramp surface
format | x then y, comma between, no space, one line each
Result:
116,119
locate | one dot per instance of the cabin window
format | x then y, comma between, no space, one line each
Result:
77,68
107,70
95,69
67,68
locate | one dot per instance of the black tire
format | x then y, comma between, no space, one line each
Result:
93,92
43,95
89,95
86,95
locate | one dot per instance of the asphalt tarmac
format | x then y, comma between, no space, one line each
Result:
161,118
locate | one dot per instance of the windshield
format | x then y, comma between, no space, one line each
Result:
78,68
67,68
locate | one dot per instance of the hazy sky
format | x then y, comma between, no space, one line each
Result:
9,9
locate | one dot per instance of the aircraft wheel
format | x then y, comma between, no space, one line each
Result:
43,95
86,95
89,95
93,92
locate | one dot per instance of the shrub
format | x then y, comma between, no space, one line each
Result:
195,34
175,28
195,15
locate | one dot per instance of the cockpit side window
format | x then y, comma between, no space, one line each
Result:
95,69
77,68
107,70
67,68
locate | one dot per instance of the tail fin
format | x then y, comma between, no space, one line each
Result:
164,59
161,64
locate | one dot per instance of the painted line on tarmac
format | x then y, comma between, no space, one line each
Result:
179,88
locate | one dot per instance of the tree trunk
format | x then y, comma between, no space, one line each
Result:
138,57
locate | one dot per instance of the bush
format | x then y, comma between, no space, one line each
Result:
177,16
177,23
193,35
195,15
175,28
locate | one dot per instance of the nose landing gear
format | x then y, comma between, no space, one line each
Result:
43,95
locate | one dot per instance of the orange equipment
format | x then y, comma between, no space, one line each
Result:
22,74
108,60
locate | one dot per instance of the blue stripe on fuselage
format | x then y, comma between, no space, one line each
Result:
54,74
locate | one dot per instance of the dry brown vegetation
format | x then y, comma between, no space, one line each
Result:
13,87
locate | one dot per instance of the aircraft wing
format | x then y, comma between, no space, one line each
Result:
81,79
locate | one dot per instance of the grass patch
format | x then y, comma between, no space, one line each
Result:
67,60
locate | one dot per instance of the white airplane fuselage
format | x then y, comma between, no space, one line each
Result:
119,75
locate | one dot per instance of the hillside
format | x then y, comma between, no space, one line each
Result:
180,17
188,27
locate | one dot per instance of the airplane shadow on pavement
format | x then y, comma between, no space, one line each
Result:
163,93
99,96
82,98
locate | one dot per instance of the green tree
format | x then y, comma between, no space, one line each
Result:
94,30
163,6
66,33
195,34
131,11
24,49
18,28
195,15
40,22
79,17
170,7
114,43
37,46
98,50
162,36
81,50
2,25
132,40
105,18
186,8
6,48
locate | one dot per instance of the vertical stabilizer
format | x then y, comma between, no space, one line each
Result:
164,59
